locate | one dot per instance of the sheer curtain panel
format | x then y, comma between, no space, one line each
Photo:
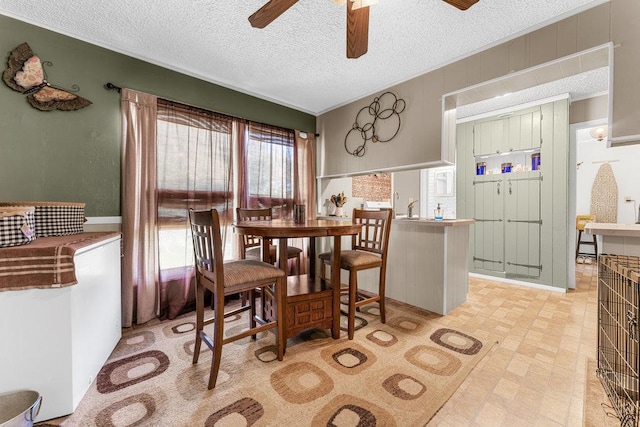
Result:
139,263
305,172
194,170
268,169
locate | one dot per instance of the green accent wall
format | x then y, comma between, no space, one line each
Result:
74,156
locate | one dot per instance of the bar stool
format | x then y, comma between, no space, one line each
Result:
581,221
368,250
250,245
226,278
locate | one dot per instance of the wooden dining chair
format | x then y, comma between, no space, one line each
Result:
368,250
231,278
250,245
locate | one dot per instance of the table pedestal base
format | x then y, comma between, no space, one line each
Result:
308,304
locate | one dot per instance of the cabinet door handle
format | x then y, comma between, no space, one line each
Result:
510,190
498,189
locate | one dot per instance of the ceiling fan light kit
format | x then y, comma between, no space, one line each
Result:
357,19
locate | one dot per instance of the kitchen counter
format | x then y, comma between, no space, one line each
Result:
617,239
415,220
427,266
434,223
608,229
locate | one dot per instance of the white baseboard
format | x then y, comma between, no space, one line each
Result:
517,282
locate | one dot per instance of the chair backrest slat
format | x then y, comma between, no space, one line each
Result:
207,242
374,235
246,214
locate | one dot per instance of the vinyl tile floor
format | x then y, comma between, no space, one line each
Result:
535,375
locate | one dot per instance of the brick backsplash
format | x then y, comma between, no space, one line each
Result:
372,188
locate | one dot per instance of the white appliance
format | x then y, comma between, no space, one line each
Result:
55,341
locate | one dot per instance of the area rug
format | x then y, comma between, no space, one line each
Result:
394,374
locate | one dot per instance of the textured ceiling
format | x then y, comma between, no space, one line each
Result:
299,59
579,86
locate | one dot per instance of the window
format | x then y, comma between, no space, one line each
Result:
193,171
269,154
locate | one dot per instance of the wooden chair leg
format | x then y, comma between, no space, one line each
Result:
252,310
381,291
323,270
244,298
218,331
298,264
281,314
353,296
578,243
199,321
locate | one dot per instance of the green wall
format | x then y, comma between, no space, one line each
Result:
75,155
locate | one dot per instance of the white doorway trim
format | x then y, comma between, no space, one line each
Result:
573,166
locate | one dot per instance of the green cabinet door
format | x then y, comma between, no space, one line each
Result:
488,137
524,131
523,225
488,239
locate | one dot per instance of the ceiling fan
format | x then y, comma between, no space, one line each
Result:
357,20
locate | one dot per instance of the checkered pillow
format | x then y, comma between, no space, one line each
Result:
59,220
16,228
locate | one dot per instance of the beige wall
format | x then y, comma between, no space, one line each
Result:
625,34
589,109
419,139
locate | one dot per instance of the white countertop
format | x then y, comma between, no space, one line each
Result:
434,223
415,220
610,229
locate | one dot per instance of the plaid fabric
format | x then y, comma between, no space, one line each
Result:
59,220
16,228
45,263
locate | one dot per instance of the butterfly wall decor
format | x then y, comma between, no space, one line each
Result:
25,74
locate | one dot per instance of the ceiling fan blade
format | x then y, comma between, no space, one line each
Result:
269,12
357,31
462,4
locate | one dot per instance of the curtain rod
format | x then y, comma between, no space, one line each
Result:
111,86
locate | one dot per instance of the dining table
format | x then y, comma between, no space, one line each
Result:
309,301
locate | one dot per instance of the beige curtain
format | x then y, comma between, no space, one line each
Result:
305,172
194,170
304,177
239,137
139,262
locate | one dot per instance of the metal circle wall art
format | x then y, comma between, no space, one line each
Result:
376,123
